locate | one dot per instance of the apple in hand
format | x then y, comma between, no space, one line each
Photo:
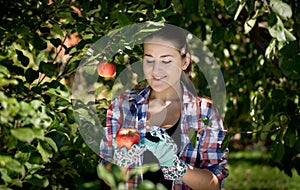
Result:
107,70
127,137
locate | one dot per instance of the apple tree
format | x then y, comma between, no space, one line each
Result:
256,44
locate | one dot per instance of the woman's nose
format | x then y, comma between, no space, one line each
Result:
156,67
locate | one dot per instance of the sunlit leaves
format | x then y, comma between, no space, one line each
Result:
281,8
38,125
23,134
37,180
279,32
250,22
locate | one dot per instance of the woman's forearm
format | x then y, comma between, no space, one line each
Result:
203,179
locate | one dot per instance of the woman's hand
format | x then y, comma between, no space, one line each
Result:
125,158
165,151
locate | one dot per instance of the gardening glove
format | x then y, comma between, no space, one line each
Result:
165,151
125,158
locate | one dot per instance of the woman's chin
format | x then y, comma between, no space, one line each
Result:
159,87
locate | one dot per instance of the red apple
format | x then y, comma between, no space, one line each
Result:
107,70
127,137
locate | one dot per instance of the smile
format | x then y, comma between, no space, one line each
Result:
159,78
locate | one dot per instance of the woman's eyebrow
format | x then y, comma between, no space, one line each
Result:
162,56
149,55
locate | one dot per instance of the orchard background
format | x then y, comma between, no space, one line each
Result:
255,42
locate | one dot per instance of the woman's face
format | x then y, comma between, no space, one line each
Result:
163,65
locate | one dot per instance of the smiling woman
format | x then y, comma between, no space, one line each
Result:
164,113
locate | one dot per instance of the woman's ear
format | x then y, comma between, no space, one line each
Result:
186,61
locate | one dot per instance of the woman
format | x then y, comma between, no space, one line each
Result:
164,113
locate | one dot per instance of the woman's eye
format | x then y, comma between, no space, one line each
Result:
149,61
166,61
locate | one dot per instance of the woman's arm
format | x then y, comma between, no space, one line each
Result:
203,179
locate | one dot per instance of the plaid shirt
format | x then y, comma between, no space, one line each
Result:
130,109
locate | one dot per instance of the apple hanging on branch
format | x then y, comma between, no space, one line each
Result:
106,69
127,137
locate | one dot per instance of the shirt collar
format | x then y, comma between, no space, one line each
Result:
142,96
188,96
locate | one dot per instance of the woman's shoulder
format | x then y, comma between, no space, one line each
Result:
204,101
131,95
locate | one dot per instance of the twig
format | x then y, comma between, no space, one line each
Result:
252,132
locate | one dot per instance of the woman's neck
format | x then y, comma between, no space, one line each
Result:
170,94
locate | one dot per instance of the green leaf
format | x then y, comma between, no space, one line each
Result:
271,49
51,143
64,95
290,137
45,151
4,176
277,30
201,4
12,164
22,156
234,4
277,151
37,180
290,66
250,22
163,3
23,134
4,71
226,141
55,42
105,175
49,69
123,20
289,36
296,163
147,185
72,66
218,35
31,75
233,7
281,8
193,137
32,168
38,43
297,145
177,6
38,133
22,58
56,28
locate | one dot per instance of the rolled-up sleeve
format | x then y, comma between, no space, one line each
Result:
109,131
211,137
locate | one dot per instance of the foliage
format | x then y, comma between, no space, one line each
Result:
256,44
254,172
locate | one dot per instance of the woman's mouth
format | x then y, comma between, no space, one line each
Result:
158,78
